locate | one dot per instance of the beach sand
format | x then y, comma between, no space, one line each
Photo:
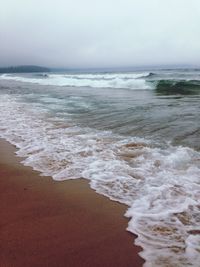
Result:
48,223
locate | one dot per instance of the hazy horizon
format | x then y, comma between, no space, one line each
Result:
100,34
120,68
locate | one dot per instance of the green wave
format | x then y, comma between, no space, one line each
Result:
178,87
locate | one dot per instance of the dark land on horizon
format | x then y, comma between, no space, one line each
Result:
35,68
24,69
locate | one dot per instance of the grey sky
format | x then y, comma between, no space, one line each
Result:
99,33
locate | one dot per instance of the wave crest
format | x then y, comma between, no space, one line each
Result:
119,81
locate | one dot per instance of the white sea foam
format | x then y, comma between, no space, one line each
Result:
161,186
126,80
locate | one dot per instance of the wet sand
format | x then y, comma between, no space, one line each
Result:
44,223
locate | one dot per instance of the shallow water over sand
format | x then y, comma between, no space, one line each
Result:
138,147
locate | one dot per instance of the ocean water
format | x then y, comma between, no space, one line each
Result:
134,135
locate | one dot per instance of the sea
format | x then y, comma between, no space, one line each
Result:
134,135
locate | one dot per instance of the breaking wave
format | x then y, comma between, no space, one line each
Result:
111,80
162,84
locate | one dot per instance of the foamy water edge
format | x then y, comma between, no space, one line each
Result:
160,186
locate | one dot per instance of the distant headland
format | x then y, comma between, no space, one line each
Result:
24,69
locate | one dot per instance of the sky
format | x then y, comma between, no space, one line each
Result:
99,33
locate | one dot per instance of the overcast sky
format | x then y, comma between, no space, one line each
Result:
99,33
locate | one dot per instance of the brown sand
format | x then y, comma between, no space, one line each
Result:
44,223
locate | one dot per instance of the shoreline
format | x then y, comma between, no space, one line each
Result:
59,224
